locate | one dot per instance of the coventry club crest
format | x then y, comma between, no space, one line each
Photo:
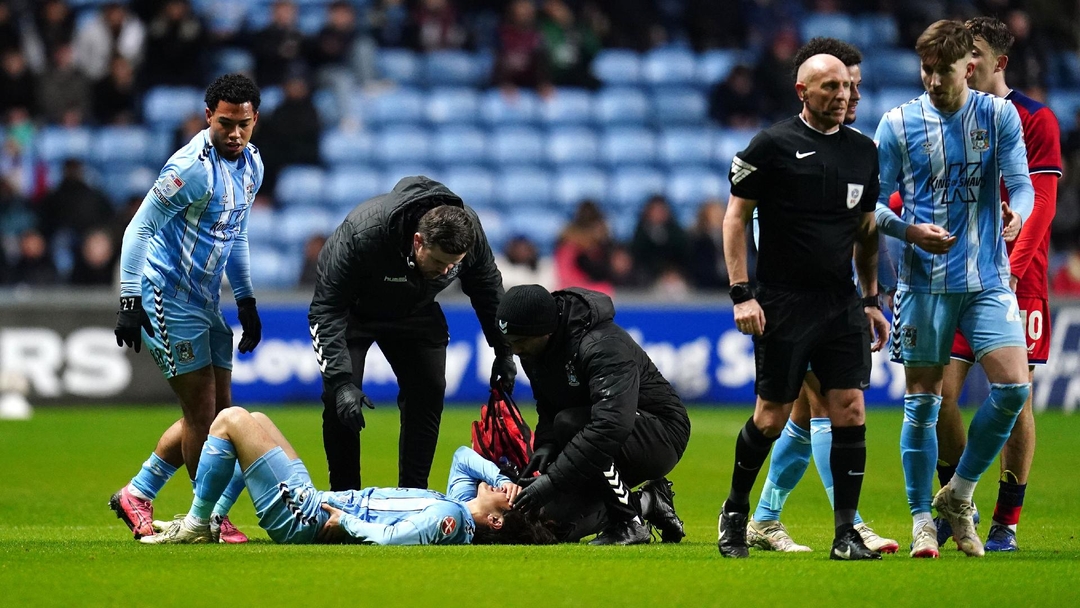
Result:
571,374
980,141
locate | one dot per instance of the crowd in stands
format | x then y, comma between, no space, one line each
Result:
350,70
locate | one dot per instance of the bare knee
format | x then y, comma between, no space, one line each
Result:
227,421
770,417
846,407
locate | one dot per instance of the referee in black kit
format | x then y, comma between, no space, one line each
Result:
815,184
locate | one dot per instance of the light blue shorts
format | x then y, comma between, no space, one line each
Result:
288,505
925,324
186,337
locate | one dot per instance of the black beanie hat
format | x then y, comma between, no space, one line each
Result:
528,310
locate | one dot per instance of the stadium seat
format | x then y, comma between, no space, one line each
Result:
892,68
669,67
345,146
495,225
516,145
728,143
456,105
170,106
875,31
460,145
575,184
395,173
680,106
631,186
714,65
326,104
233,60
690,186
402,145
617,67
122,182
475,185
300,224
122,145
222,16
540,225
887,99
456,68
275,270
270,98
300,185
399,65
835,25
263,224
1064,103
622,226
498,108
349,185
567,106
523,188
55,144
403,105
622,106
685,146
311,19
628,146
572,145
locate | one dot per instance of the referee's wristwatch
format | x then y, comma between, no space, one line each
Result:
873,301
741,292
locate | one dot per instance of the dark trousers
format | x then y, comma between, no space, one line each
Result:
415,347
651,451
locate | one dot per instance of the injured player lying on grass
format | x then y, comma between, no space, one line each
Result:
475,509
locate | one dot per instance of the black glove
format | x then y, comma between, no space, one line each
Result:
503,372
348,399
129,320
536,496
249,320
541,458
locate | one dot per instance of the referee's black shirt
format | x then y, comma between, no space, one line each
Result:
811,191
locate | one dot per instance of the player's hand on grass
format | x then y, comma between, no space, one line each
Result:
331,531
350,402
931,238
541,458
129,320
249,320
503,373
750,318
536,496
1011,223
879,328
511,490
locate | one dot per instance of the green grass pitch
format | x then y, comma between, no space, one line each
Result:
61,545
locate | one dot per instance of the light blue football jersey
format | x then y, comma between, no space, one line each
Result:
192,226
948,169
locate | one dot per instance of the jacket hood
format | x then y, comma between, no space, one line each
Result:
580,310
410,199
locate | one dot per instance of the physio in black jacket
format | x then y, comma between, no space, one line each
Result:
607,419
378,275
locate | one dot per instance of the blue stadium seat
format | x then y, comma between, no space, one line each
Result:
326,104
892,68
275,269
460,145
122,145
567,106
453,105
270,98
690,186
311,19
402,145
395,173
575,184
497,109
622,226
540,225
56,144
522,188
681,106
714,65
516,145
628,145
685,146
1064,103
263,224
349,185
835,25
622,105
456,68
475,185
399,65
170,106
573,145
617,67
345,146
730,142
121,182
495,224
300,185
232,60
631,186
402,105
874,31
298,224
887,99
669,66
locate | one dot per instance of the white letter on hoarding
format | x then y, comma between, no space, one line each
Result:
35,352
95,366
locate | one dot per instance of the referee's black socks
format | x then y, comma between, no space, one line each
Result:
848,464
751,449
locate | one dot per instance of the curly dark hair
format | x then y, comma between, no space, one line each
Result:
233,88
993,31
821,45
517,529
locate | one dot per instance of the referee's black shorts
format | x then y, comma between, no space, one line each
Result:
826,331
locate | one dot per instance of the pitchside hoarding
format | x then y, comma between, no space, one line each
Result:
69,355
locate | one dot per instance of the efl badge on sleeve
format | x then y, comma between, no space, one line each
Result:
854,195
448,525
980,141
170,184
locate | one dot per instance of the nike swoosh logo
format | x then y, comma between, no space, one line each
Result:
801,155
864,385
854,474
